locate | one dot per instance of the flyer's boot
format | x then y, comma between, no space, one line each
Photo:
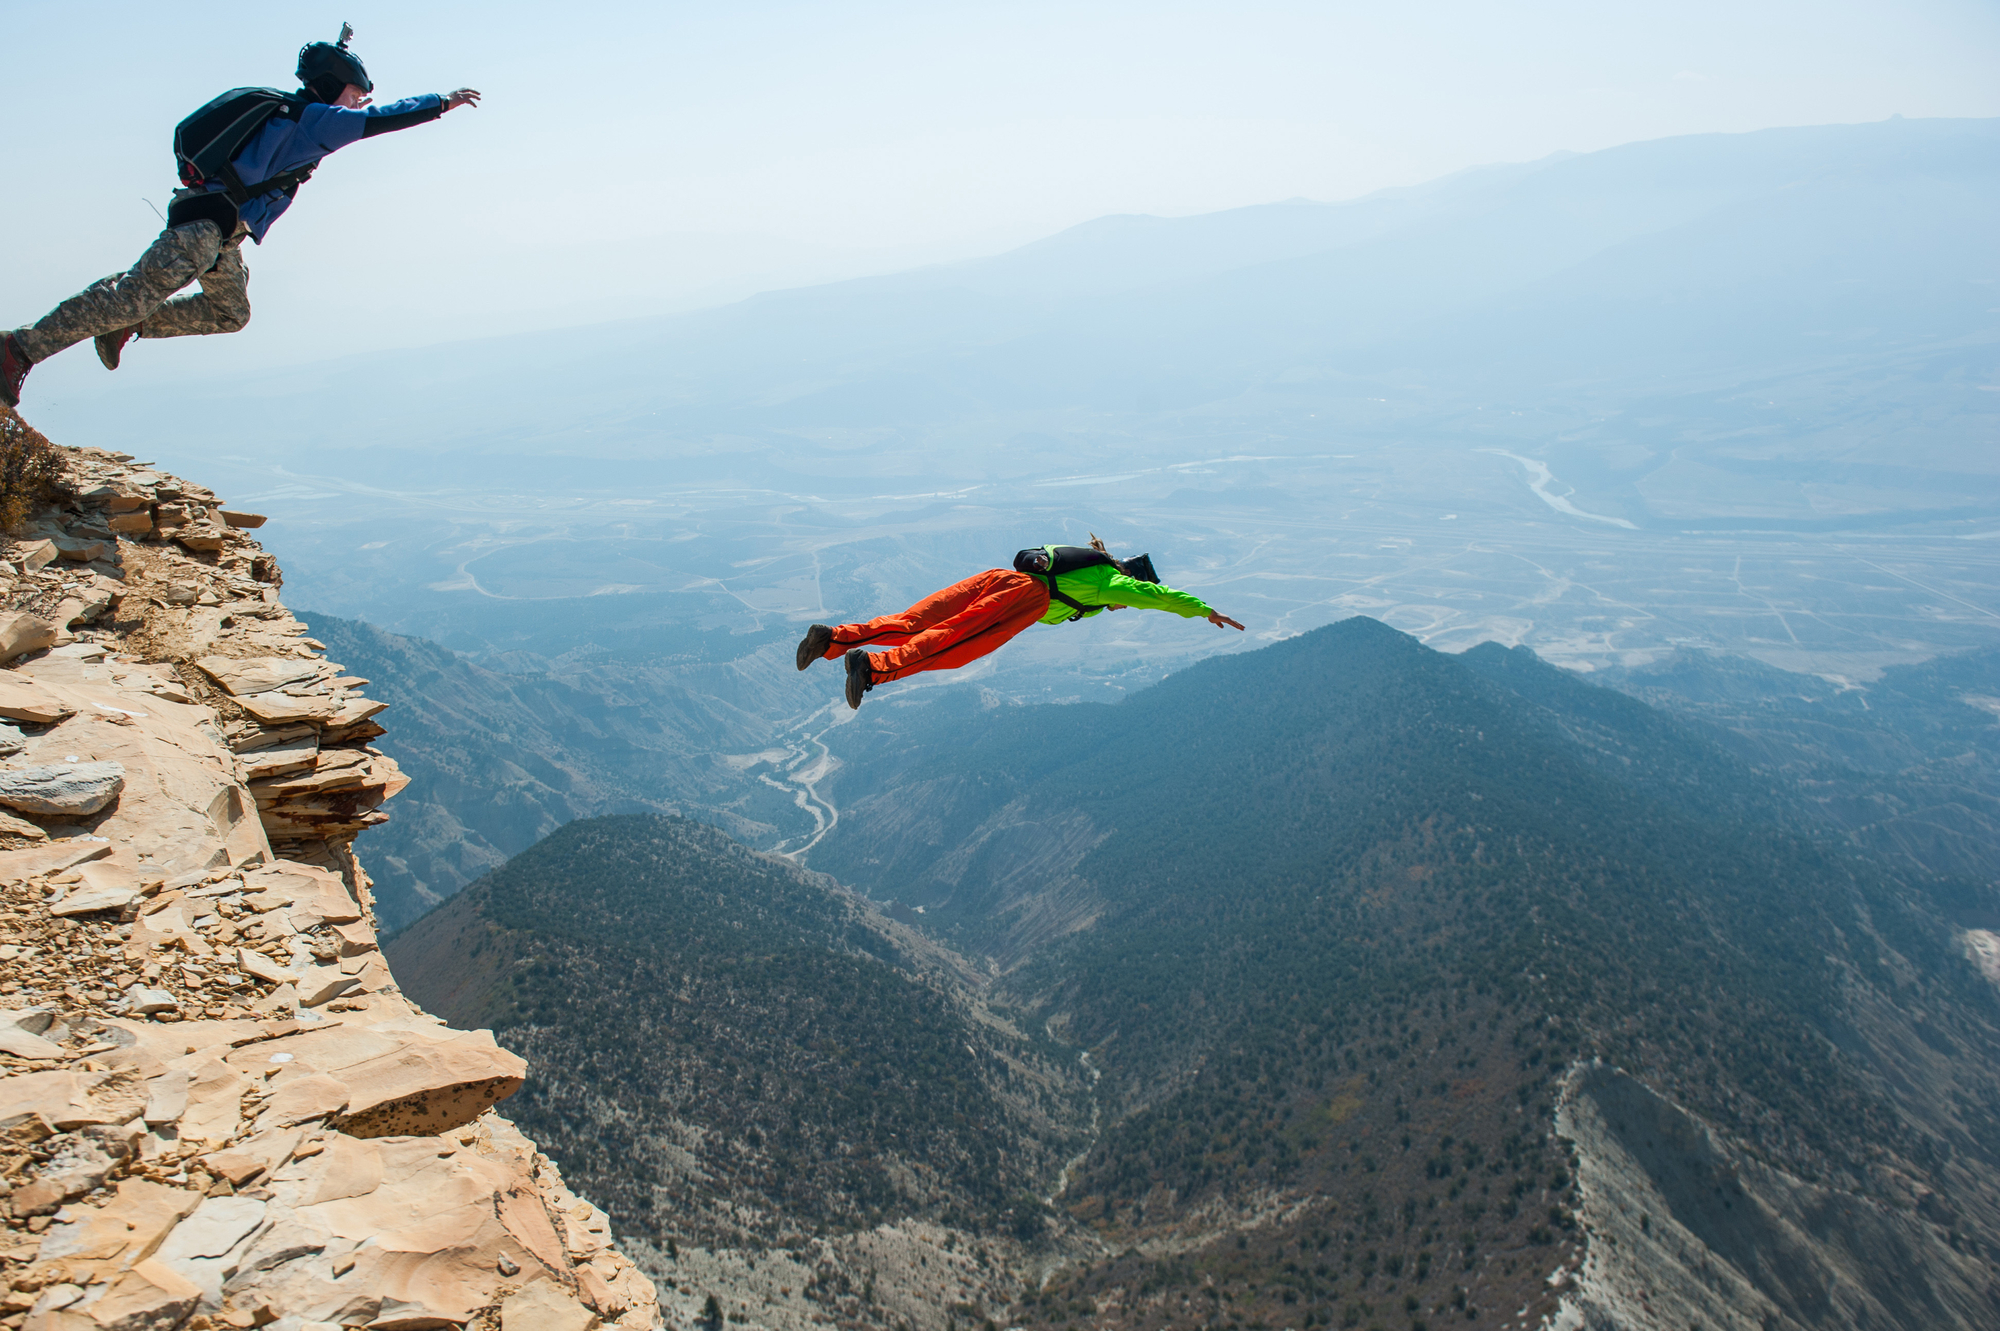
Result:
860,678
110,346
813,646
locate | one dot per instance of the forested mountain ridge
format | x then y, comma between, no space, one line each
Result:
1331,917
733,1052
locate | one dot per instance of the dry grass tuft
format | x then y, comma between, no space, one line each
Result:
31,471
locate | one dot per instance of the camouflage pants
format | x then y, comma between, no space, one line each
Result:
144,294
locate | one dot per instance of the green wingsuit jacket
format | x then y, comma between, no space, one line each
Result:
1102,586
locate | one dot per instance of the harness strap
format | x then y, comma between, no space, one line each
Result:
288,181
1074,604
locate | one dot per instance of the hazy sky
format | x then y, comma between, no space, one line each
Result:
637,157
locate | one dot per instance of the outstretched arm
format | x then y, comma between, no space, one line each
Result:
412,111
1103,585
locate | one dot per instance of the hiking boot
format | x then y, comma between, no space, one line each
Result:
111,345
813,646
14,365
860,677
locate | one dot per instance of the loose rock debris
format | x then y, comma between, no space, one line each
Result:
216,1109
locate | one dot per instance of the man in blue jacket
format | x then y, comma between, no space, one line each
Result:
206,225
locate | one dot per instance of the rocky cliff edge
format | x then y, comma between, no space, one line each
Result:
216,1109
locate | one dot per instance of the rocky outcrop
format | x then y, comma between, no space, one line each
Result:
1685,1230
216,1107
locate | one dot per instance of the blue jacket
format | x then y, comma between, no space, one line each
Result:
320,129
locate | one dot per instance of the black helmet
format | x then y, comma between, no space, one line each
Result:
325,68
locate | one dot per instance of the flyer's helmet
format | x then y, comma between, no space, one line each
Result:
325,68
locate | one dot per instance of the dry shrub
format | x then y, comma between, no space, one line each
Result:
31,471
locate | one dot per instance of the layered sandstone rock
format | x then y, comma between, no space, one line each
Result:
215,1106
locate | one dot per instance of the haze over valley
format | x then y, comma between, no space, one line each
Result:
1727,391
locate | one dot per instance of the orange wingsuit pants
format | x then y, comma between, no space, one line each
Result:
947,629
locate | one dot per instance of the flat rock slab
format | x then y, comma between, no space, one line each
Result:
244,676
18,866
21,633
217,1225
281,759
88,900
83,551
62,788
148,1001
119,498
542,1306
150,1296
33,1020
355,710
166,1097
21,699
112,874
71,1100
304,1098
261,967
402,1078
326,908
423,1089
323,984
23,1044
276,709
132,1223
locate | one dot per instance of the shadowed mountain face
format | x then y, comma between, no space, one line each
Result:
1343,932
727,1048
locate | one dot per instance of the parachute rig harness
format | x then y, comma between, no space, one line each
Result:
1049,562
207,142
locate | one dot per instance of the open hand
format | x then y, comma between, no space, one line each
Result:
461,97
1222,621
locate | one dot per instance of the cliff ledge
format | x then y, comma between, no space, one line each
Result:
216,1108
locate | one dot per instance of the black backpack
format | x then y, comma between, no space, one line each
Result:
206,144
1070,558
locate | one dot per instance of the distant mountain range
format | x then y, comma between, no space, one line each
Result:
1679,290
1411,987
